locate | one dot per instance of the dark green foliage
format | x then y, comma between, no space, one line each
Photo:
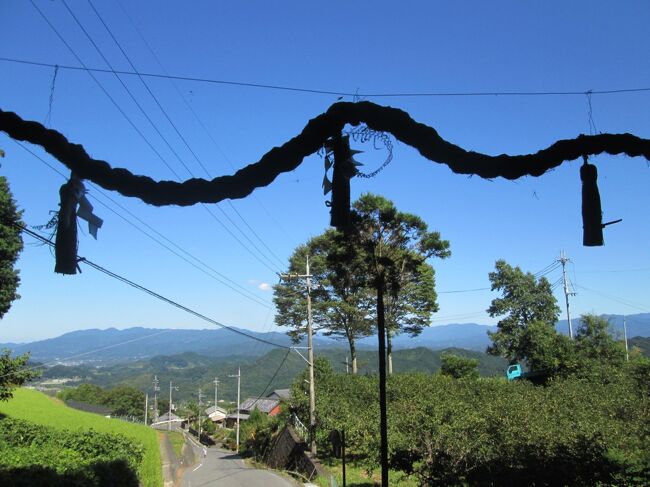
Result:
341,301
14,373
37,455
573,431
525,300
642,344
123,400
459,367
11,244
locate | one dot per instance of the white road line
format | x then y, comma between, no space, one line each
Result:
200,465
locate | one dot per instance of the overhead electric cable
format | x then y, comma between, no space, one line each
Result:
339,93
275,374
206,131
154,294
173,125
184,140
624,301
108,95
272,269
219,277
464,290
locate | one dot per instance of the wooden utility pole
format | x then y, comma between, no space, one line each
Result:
238,392
146,407
627,353
383,418
563,260
156,388
200,407
310,356
216,385
169,413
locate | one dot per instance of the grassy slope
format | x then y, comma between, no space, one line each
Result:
38,408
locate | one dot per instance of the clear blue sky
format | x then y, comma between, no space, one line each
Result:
361,46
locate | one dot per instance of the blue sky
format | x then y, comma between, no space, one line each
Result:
362,47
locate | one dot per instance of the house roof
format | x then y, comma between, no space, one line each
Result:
215,409
280,394
242,416
263,405
165,418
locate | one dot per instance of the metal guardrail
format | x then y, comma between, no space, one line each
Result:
300,428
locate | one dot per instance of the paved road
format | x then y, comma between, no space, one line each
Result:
224,468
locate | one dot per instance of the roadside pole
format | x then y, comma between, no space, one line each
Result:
310,356
238,399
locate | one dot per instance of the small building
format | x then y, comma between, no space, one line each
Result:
269,405
216,414
280,394
164,420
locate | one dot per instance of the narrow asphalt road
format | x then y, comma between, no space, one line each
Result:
225,468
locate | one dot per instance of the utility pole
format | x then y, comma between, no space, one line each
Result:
383,414
200,407
238,391
310,356
146,407
627,353
156,388
169,414
563,260
216,385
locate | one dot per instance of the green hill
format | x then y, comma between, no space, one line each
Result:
39,409
189,371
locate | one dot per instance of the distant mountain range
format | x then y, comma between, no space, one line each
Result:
112,345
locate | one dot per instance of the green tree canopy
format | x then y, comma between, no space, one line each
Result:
344,275
14,373
394,247
341,301
525,300
11,244
458,367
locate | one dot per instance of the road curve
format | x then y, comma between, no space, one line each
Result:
224,468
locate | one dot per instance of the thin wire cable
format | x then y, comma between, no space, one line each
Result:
464,290
626,302
277,371
339,93
185,142
154,294
155,127
222,279
203,127
108,95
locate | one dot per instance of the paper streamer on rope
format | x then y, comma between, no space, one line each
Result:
73,204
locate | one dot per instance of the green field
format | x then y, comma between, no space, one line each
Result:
38,408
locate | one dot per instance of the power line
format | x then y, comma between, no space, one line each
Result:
465,290
152,293
154,126
206,131
108,95
626,302
277,371
219,277
337,93
183,139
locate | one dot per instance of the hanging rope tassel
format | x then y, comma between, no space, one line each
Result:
344,170
65,245
592,214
